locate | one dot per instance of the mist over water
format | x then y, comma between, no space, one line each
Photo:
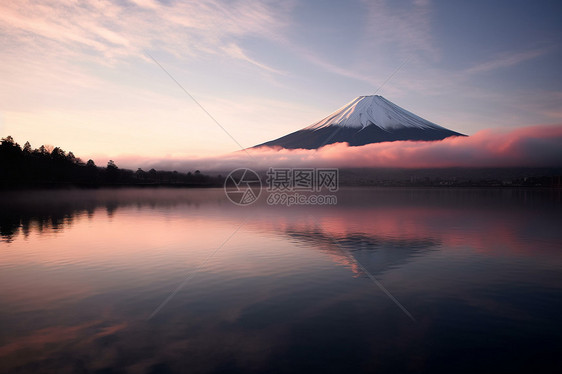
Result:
280,289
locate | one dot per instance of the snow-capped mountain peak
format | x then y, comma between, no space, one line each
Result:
373,110
365,120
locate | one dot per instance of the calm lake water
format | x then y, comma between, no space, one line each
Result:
182,280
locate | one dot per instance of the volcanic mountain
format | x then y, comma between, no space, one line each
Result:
365,120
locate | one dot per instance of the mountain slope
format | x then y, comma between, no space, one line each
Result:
365,120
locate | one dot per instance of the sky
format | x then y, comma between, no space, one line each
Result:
99,77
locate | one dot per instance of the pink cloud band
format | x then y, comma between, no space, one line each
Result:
532,146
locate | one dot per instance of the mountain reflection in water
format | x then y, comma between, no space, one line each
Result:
81,271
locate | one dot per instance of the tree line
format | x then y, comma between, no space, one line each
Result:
52,166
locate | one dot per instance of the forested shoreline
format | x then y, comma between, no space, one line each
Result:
49,166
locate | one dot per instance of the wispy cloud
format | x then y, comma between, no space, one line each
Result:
507,59
328,66
391,33
117,30
233,50
407,28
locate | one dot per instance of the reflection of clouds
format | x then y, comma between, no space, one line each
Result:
51,211
48,345
275,292
490,221
40,339
221,322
